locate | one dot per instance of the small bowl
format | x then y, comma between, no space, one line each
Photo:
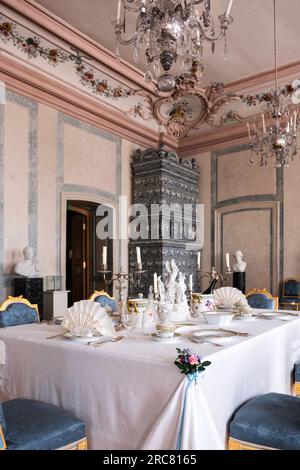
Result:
218,318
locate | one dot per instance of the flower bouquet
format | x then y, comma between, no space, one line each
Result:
190,364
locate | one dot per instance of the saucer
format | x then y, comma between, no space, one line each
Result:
160,339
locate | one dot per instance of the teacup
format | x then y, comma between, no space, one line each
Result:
165,330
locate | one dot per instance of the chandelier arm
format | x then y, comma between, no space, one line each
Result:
127,6
125,42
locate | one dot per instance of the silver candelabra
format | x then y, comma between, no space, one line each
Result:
122,278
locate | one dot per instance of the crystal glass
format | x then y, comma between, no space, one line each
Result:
128,319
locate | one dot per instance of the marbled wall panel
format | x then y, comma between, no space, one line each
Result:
292,219
250,231
16,169
204,162
47,146
89,158
237,177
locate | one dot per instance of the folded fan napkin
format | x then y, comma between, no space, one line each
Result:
85,318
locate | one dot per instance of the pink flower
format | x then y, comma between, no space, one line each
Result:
193,359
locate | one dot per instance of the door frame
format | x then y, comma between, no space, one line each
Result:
87,197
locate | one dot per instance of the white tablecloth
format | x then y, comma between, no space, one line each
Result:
130,393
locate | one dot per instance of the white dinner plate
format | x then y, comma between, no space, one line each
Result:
82,340
160,339
219,336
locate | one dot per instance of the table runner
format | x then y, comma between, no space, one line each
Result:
130,394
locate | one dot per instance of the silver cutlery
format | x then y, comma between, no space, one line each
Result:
237,333
209,342
55,336
99,343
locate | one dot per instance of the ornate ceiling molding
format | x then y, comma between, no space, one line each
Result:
187,107
26,80
76,103
35,13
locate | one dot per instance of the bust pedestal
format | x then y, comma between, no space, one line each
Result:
55,303
31,289
239,281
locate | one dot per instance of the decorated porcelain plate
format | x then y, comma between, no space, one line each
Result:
81,339
203,335
165,340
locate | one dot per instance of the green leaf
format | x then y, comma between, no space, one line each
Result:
206,363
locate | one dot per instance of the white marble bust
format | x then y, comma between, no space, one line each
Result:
28,267
239,266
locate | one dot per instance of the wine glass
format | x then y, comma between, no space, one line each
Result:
128,319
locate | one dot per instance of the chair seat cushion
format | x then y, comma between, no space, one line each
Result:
297,372
271,420
33,425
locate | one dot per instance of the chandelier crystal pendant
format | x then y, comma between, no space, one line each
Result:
166,30
274,135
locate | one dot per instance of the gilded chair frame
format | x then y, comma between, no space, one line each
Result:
297,389
19,300
79,445
266,293
235,444
97,293
2,440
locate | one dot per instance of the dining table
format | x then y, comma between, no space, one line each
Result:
130,393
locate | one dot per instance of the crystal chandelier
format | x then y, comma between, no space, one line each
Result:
166,30
275,134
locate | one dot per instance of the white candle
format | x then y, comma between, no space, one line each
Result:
227,13
138,255
191,282
295,121
119,13
264,122
104,255
155,287
249,132
199,260
228,261
288,127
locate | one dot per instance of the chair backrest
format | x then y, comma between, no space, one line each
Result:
290,289
261,298
105,300
17,311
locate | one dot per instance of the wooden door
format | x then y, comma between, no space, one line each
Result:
77,256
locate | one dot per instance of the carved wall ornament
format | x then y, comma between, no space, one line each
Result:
187,107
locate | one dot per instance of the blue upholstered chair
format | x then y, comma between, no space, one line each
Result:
269,421
105,300
33,425
17,311
297,378
261,298
290,293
